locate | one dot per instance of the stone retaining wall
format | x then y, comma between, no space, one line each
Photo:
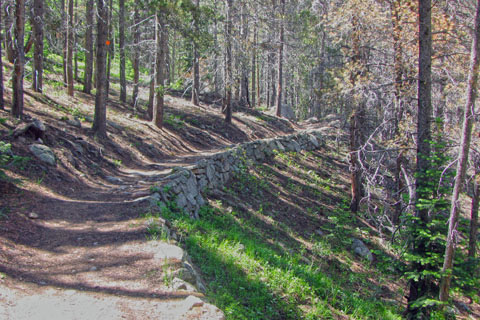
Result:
187,184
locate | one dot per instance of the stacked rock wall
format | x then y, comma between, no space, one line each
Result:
187,184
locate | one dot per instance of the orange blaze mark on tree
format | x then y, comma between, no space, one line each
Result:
107,42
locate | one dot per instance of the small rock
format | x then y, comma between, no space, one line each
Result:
193,302
33,215
113,179
43,153
93,268
74,122
359,248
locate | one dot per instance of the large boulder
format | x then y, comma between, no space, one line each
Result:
43,153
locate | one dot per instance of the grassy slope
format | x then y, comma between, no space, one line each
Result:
275,244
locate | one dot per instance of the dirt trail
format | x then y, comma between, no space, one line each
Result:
74,245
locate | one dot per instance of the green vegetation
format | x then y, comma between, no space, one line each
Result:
8,160
258,266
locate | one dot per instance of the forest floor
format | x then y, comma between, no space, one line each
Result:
73,240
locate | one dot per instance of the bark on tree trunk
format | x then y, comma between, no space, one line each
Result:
254,64
421,287
280,60
89,14
136,59
159,69
100,116
121,35
9,50
2,102
196,67
469,113
64,35
228,64
70,48
151,94
37,81
111,46
75,42
19,59
244,97
472,239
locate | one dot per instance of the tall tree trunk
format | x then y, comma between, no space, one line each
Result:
280,60
421,287
100,116
75,43
64,35
37,81
469,113
111,46
216,81
196,67
254,64
151,94
89,14
244,97
136,58
70,48
159,69
2,101
228,64
121,35
9,8
173,56
356,120
19,59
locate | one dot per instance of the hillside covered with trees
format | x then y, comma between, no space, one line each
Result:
290,159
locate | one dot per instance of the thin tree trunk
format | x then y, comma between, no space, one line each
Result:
87,82
421,287
228,64
37,81
216,81
469,113
100,116
111,46
280,62
121,35
254,64
19,61
64,35
75,43
9,7
160,39
172,58
151,94
472,239
244,97
196,67
136,59
70,48
2,102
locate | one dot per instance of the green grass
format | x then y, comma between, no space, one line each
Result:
250,279
253,273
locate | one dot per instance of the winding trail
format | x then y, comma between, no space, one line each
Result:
84,254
